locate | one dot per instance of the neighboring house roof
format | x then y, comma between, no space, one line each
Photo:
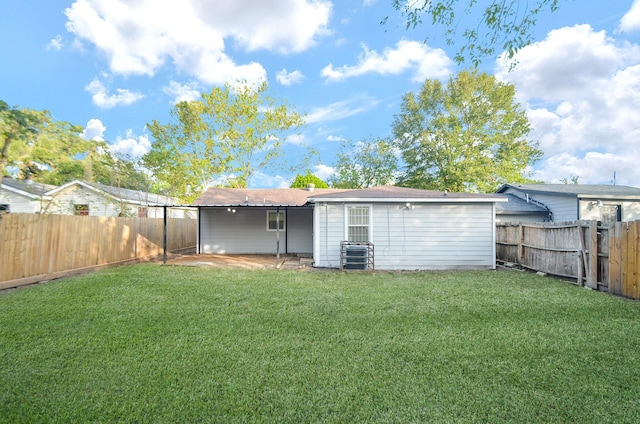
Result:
27,188
386,193
299,197
120,194
577,190
519,206
259,197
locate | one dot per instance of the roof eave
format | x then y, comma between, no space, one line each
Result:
448,199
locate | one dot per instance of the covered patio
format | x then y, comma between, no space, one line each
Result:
246,261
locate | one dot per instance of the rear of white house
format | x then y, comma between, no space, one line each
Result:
407,229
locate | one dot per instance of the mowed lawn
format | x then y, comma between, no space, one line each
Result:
163,344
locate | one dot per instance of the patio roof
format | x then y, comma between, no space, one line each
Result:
259,197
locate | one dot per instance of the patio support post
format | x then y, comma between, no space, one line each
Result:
278,233
164,235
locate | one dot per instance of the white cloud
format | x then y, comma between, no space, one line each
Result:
182,92
324,172
131,146
407,55
104,100
141,37
94,130
630,22
581,89
262,180
336,138
55,43
340,110
289,78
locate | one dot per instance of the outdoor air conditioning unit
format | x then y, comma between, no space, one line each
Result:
356,256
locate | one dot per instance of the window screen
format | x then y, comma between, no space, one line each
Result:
275,220
358,224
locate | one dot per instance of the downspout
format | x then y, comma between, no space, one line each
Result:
286,232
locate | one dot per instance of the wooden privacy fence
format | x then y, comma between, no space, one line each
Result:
605,258
41,247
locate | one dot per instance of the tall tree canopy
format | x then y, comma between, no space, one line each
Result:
33,141
367,163
467,135
233,131
485,26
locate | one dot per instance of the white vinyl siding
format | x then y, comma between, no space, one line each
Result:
431,236
564,208
20,204
245,232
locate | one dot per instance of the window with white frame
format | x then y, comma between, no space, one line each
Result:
275,221
358,223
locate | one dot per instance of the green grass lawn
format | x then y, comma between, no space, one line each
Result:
159,344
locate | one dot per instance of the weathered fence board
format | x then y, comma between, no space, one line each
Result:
602,258
36,247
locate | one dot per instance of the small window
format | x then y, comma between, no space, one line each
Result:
143,212
82,210
5,208
275,221
358,223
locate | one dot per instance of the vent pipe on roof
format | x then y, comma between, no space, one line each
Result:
311,187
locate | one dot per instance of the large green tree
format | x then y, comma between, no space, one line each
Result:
233,131
33,142
367,163
485,28
469,134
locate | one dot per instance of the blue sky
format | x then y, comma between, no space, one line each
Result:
113,66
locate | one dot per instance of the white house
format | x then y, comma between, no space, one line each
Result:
85,198
401,228
23,196
572,202
95,199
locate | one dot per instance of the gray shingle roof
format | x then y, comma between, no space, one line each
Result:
401,193
134,195
576,190
27,186
300,197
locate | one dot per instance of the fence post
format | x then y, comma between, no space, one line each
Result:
592,272
520,242
615,259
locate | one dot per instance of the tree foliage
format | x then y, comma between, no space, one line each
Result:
467,135
368,163
303,181
494,24
231,132
33,141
